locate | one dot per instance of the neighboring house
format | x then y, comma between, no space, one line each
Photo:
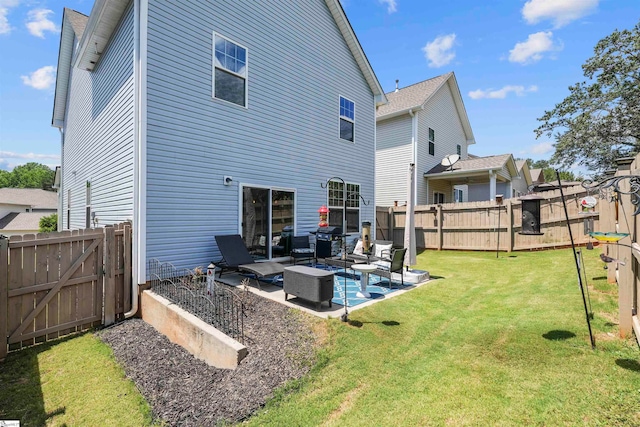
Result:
22,208
537,176
195,119
484,177
421,124
508,184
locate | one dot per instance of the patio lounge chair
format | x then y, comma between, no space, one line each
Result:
236,256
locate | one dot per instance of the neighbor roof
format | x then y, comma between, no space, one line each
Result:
537,175
23,221
33,197
476,164
414,97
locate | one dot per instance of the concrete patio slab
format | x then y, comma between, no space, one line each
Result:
276,293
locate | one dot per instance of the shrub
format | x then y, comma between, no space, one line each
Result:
49,223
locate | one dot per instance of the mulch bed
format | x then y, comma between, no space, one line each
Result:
185,391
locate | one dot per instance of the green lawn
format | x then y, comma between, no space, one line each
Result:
491,342
73,381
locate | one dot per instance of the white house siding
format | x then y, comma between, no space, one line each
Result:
98,134
393,155
288,137
441,115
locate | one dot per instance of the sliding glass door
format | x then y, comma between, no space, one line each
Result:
267,221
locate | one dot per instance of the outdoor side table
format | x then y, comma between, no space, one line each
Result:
365,269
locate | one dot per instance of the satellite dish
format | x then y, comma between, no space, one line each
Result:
450,160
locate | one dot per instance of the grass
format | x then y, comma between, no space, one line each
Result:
73,381
492,342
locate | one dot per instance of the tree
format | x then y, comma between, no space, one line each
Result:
5,178
49,223
31,175
600,121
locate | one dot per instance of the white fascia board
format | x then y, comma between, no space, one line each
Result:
354,45
103,20
63,71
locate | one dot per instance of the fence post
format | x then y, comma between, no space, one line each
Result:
4,302
439,216
391,224
626,276
509,225
109,276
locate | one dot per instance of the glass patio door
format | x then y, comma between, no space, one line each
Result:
267,221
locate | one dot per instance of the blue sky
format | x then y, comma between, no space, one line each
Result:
513,60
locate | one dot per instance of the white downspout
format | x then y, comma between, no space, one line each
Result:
139,151
61,189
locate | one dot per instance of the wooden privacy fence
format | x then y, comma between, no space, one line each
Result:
477,225
616,212
53,284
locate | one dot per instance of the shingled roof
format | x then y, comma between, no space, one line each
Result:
473,164
412,96
33,197
24,221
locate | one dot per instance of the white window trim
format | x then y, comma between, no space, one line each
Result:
341,117
359,208
435,199
213,71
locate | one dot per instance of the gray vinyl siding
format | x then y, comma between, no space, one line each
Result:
288,137
441,115
394,152
99,133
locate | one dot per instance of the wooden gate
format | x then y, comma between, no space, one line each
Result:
53,284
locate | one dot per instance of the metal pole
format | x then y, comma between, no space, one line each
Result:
345,316
575,257
498,246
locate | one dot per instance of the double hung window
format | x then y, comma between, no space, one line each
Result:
347,118
230,71
432,142
336,195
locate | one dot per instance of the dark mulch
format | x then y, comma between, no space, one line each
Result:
185,391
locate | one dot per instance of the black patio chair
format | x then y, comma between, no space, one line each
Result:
393,264
301,249
236,256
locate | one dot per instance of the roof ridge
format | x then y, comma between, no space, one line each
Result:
421,82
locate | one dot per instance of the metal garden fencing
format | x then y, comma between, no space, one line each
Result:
217,306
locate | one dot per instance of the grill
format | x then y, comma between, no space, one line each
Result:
328,241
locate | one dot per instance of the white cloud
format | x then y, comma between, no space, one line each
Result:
439,51
39,22
28,156
561,12
5,6
533,49
43,78
542,148
501,93
391,5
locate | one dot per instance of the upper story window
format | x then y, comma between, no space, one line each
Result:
432,142
229,71
459,149
347,118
